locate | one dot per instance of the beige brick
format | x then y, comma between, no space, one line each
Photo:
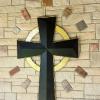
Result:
82,1
77,86
79,79
75,63
12,53
60,76
95,59
18,2
5,87
84,47
4,73
33,4
8,42
11,23
27,96
11,62
74,18
12,47
10,96
73,28
95,88
11,9
1,32
77,8
18,89
34,79
84,55
3,20
63,99
92,8
96,15
17,81
88,41
84,36
97,31
60,2
26,26
93,71
5,2
20,35
73,94
3,50
96,79
2,96
34,90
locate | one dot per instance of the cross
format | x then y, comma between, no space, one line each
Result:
47,48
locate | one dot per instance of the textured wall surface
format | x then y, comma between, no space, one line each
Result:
10,18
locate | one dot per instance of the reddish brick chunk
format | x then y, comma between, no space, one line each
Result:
94,46
81,71
14,71
47,2
67,11
25,14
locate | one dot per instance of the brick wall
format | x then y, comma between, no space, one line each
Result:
10,19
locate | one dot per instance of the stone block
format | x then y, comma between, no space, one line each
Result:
81,71
67,11
18,2
10,62
66,86
10,96
81,25
5,2
94,47
26,83
18,89
92,89
12,53
3,50
5,87
95,59
27,97
14,71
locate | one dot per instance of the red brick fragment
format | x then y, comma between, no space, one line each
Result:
81,71
47,2
94,46
14,71
25,14
67,11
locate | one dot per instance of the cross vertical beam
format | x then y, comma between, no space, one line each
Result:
46,29
46,89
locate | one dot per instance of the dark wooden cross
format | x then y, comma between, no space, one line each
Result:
47,48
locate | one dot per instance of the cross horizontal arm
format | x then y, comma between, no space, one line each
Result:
28,49
67,48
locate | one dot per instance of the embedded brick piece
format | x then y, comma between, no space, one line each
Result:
47,2
26,83
81,25
3,50
81,71
25,14
67,12
94,46
14,71
67,87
